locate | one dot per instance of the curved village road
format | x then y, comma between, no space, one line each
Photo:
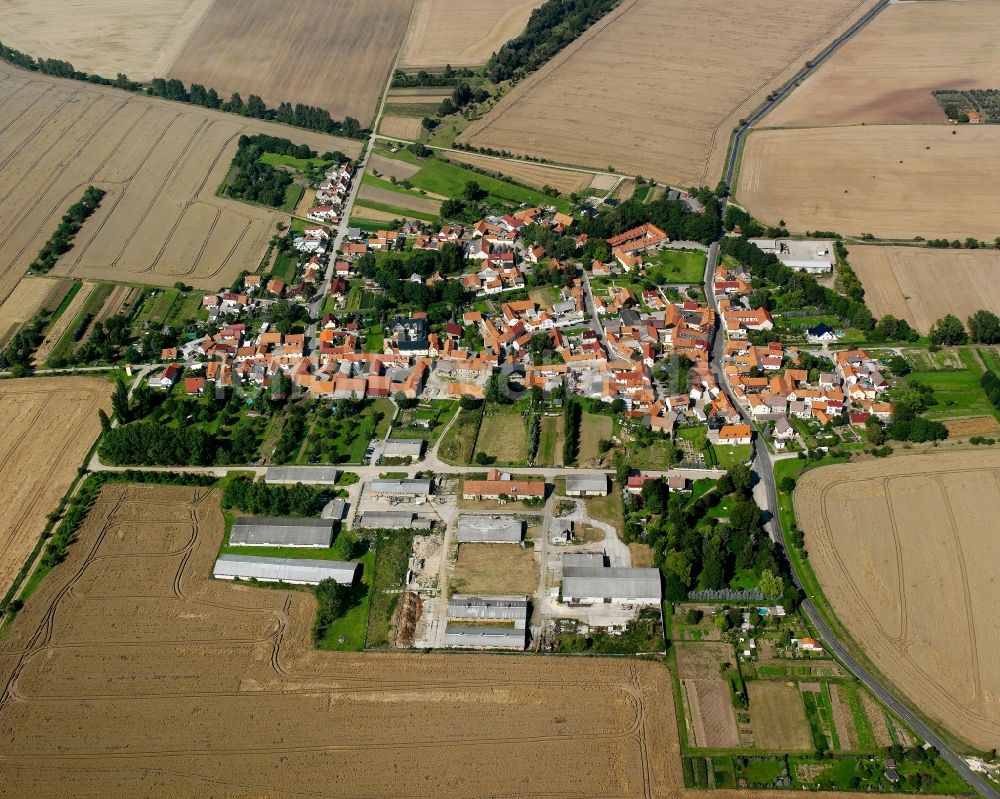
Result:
763,468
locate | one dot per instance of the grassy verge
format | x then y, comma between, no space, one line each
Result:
392,556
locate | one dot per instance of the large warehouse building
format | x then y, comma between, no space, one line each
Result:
590,583
309,475
393,520
253,532
489,530
505,622
299,571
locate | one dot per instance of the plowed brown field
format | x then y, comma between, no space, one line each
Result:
462,32
887,73
49,425
130,672
922,285
160,163
666,93
904,549
335,54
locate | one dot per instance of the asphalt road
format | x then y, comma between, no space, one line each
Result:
763,469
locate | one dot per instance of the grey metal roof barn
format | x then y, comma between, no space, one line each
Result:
607,584
302,571
310,475
334,510
489,530
393,520
281,532
485,637
496,608
402,448
583,559
587,483
401,487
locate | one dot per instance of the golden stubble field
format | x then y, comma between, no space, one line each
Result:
129,672
49,426
921,285
335,54
885,74
138,37
461,32
161,164
537,176
894,181
905,551
650,91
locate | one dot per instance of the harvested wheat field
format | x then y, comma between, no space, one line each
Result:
160,163
894,181
886,73
904,549
49,426
129,672
461,32
137,37
708,709
921,285
335,54
63,323
669,94
537,176
972,426
31,295
398,199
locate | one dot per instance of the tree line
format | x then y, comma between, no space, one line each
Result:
254,181
573,414
550,28
448,77
300,115
262,499
61,240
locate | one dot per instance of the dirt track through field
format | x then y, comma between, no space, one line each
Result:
669,95
904,550
160,163
49,425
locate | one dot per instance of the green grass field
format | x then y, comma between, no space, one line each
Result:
392,555
958,392
448,180
401,213
155,308
301,164
677,266
284,267
293,193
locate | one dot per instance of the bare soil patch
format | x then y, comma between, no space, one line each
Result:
160,163
400,127
535,175
391,168
642,555
778,717
903,549
894,181
335,54
139,38
494,569
712,720
921,285
398,200
885,74
462,32
669,95
160,682
49,426
973,426
847,734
